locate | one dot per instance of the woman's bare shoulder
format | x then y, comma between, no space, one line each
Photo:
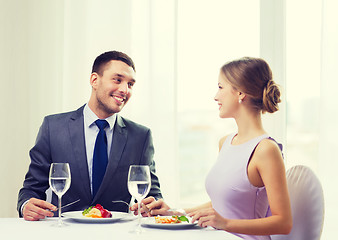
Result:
268,151
221,141
268,146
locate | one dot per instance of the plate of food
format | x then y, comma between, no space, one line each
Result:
95,214
168,222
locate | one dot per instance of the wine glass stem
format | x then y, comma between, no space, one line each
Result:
60,221
139,214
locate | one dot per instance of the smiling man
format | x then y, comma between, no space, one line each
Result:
73,138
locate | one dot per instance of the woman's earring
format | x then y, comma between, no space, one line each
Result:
240,101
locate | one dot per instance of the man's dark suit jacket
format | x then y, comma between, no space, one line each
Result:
61,139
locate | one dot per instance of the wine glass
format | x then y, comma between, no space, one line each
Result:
59,182
139,187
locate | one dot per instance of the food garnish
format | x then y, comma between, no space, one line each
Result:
96,212
171,220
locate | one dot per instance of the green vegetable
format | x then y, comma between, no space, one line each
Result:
87,210
182,218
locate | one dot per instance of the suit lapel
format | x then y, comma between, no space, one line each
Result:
118,144
76,130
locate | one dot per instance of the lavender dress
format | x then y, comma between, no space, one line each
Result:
231,193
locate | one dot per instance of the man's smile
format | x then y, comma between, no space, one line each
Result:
119,99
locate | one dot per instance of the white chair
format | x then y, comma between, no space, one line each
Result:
307,205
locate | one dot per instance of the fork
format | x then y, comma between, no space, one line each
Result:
121,201
69,204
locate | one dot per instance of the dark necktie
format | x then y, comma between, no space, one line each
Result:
100,157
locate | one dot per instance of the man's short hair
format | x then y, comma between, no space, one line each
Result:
106,57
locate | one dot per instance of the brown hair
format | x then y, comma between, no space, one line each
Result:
253,77
106,57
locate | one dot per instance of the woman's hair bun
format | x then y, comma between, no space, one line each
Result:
271,97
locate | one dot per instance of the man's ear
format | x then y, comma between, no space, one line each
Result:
94,79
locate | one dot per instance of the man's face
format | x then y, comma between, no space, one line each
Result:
112,90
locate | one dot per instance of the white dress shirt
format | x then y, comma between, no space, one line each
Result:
91,130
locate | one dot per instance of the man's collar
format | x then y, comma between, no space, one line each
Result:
90,118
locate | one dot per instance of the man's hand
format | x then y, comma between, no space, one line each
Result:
151,207
36,209
145,211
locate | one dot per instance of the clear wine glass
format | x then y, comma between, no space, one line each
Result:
59,182
139,183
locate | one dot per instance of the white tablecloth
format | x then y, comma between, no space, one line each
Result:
18,228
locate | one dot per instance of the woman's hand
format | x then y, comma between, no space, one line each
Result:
209,217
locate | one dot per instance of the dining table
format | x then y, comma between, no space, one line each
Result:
45,229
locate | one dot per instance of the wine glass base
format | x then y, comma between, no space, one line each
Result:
59,224
137,231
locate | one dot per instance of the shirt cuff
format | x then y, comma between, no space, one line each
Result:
22,206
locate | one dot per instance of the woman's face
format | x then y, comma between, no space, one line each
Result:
227,98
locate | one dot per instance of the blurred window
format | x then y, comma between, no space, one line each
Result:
209,33
303,62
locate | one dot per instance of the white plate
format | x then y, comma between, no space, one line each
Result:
77,216
150,222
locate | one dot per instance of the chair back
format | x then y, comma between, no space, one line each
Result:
307,204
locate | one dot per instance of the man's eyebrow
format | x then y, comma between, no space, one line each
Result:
122,76
119,75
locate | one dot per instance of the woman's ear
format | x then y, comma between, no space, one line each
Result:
241,96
